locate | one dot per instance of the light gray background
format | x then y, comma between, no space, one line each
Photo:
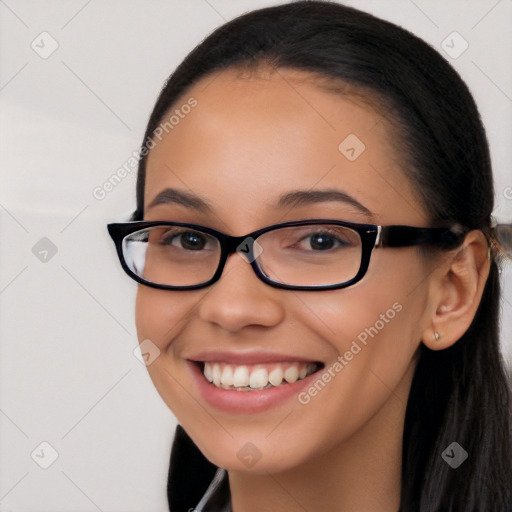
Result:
68,122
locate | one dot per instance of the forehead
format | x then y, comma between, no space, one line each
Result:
253,136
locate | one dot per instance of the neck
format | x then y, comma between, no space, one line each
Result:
362,473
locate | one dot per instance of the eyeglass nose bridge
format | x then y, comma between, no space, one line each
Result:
244,245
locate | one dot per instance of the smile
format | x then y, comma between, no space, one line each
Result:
256,376
249,382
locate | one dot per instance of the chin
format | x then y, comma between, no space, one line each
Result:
250,454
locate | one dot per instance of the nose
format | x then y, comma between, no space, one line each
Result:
239,298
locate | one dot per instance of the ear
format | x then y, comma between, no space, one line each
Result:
456,290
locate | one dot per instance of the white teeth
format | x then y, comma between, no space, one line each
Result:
226,378
216,374
258,378
291,374
275,377
241,377
208,372
245,378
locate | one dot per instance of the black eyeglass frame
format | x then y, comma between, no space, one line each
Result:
371,235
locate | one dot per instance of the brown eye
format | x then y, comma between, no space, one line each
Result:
189,240
324,240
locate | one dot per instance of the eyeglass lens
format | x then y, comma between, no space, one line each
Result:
321,254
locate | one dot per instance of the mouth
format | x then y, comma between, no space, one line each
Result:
256,377
249,382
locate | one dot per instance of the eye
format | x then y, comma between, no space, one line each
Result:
185,239
325,240
321,241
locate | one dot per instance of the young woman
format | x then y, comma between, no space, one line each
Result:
318,273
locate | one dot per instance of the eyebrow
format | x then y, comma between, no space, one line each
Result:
291,199
304,197
175,196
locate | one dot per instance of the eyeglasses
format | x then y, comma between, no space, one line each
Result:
315,254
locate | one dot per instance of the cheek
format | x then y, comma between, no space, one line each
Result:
374,329
160,314
388,305
150,315
375,337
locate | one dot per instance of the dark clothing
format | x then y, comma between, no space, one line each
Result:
194,484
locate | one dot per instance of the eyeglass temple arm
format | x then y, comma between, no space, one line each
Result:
404,236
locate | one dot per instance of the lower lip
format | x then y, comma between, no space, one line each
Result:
231,400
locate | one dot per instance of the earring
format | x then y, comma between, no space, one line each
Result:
436,335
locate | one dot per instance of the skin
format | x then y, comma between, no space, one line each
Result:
251,138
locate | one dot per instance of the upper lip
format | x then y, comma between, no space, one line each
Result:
231,357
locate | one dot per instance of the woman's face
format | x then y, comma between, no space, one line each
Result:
248,142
